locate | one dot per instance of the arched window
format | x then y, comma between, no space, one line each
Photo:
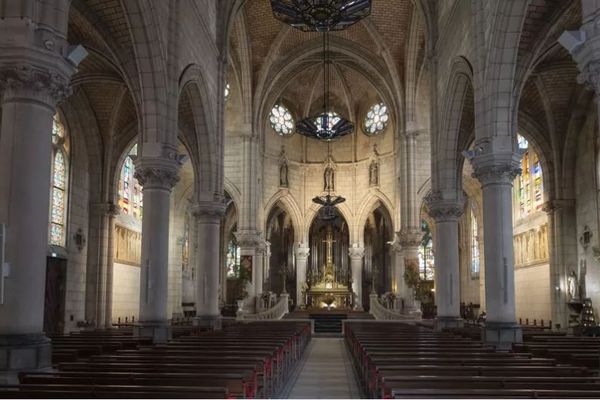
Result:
281,120
475,257
227,91
426,260
376,120
233,258
59,190
130,191
529,186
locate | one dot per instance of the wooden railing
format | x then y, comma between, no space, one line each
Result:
276,312
378,311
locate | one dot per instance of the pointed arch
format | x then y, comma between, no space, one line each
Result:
289,203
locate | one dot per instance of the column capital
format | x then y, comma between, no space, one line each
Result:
409,237
584,46
157,172
33,81
302,251
443,209
554,205
208,211
496,168
249,239
356,251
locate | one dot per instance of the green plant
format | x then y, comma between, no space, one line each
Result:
413,280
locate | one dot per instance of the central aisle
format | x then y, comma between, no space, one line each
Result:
326,372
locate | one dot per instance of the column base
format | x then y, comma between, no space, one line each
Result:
359,307
448,322
207,323
502,334
159,332
24,352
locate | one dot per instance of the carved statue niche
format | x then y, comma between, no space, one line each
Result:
573,286
374,173
329,176
283,168
374,168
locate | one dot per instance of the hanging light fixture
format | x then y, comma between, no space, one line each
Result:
320,15
326,125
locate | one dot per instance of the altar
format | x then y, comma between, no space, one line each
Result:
329,291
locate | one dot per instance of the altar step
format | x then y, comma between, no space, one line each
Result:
328,323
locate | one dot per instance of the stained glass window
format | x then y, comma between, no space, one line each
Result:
529,186
376,120
281,120
475,258
425,254
58,192
233,258
130,191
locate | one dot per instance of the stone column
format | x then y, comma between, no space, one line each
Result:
562,248
113,211
157,176
496,172
446,212
408,242
302,252
357,252
208,217
30,93
252,244
401,290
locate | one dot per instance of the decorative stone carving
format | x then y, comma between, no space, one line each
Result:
128,246
329,175
283,169
531,247
302,251
38,81
156,178
410,237
208,211
356,252
443,209
498,173
374,173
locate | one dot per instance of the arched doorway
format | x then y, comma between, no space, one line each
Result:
281,276
377,272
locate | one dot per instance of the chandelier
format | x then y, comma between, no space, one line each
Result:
320,15
326,125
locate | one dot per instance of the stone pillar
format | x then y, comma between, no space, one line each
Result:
30,93
302,252
446,212
357,252
496,172
408,242
252,244
208,217
157,176
401,290
562,248
113,211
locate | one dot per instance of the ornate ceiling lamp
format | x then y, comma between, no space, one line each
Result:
322,16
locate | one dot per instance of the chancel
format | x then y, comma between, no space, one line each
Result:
299,198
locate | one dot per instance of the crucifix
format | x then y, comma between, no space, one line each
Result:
329,275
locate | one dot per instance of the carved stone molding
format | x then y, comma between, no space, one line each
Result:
302,251
590,76
443,209
410,237
108,209
558,204
208,211
25,80
356,251
157,173
496,173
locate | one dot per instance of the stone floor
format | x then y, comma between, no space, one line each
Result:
326,372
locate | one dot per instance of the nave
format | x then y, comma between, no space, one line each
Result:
285,359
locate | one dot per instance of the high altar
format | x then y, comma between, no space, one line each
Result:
329,291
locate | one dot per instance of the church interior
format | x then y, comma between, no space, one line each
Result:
299,198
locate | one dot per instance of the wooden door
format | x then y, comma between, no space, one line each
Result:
54,305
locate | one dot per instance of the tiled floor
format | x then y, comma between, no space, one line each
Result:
326,373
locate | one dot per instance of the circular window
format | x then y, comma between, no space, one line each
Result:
281,120
377,119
